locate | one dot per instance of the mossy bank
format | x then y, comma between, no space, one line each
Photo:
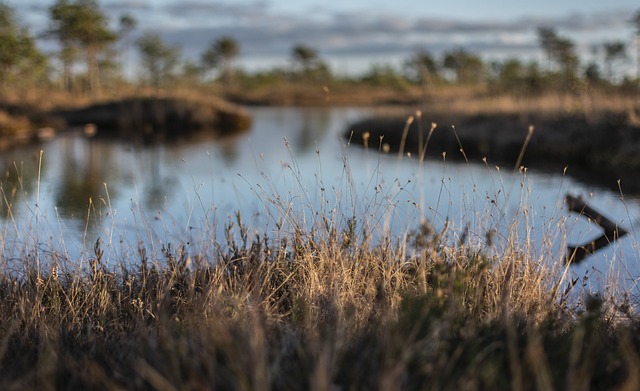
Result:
149,117
599,147
132,118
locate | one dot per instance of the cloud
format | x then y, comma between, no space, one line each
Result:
191,9
362,33
263,31
126,6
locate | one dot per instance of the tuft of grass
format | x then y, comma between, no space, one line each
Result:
307,313
327,300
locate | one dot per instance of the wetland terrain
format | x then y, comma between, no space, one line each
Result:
274,251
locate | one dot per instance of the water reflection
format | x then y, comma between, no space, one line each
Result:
230,150
19,169
83,173
314,125
156,184
187,189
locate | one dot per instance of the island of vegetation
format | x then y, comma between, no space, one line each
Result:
327,307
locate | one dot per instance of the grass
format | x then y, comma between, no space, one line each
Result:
441,99
325,301
310,314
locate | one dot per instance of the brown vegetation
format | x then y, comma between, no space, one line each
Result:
130,117
313,310
324,94
154,116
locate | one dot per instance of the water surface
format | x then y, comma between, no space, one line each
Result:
292,168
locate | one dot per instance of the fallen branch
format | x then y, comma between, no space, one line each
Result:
612,232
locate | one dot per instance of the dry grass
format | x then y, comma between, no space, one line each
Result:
326,305
308,313
457,101
461,100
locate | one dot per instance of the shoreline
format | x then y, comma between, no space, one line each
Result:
595,135
596,146
146,118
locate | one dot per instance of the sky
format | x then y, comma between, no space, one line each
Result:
351,35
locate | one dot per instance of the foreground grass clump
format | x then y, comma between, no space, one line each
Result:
305,312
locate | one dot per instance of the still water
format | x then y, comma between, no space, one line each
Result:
292,169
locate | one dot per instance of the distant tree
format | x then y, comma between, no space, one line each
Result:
384,75
59,14
158,59
20,59
110,66
560,51
305,57
635,23
467,67
220,54
191,73
127,24
308,64
422,67
210,58
534,77
592,73
80,26
514,76
613,51
509,75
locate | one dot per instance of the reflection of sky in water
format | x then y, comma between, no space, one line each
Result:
187,191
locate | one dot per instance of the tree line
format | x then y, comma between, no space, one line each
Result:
91,53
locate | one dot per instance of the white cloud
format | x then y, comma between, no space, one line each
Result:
261,31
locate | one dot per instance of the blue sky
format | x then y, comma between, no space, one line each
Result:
353,34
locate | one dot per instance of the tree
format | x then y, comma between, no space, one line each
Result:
384,75
221,53
509,75
191,73
467,67
422,67
20,59
514,76
305,57
93,36
80,26
60,13
592,73
209,60
127,24
158,59
613,51
560,51
635,23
